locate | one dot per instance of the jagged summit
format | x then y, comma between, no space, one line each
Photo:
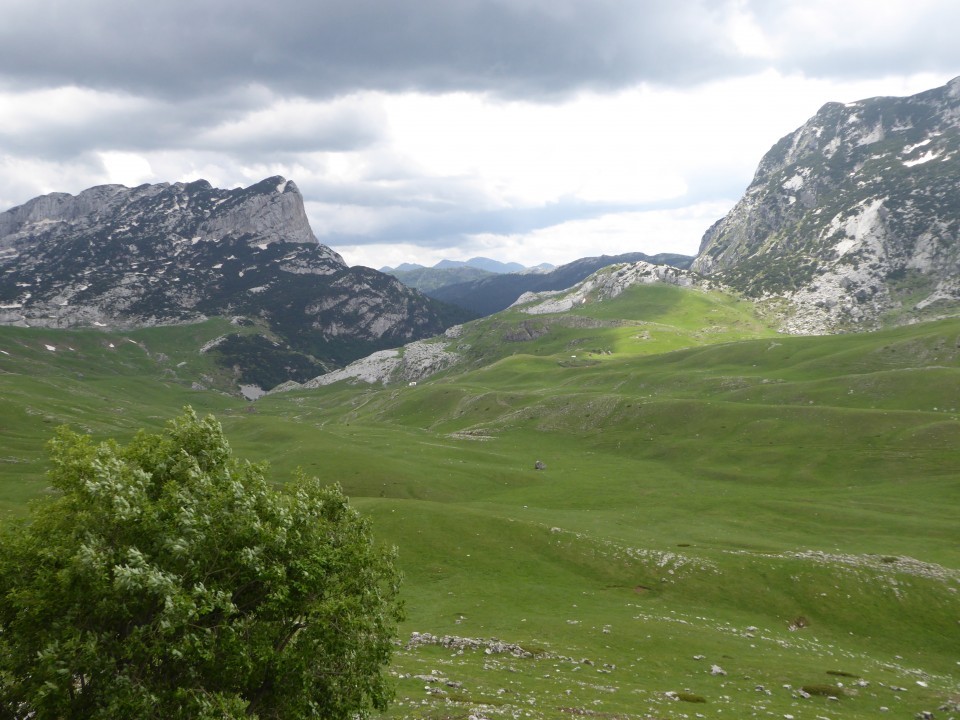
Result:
118,256
854,218
271,210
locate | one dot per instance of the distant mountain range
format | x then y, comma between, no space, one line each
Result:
479,263
451,272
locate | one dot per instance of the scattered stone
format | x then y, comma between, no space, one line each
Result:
539,465
717,670
453,642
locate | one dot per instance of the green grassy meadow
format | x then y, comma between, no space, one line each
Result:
731,522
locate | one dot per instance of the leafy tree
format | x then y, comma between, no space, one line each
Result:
165,579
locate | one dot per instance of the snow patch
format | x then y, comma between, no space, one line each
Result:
926,157
51,348
910,148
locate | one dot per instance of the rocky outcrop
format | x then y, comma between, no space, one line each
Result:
853,219
606,284
409,364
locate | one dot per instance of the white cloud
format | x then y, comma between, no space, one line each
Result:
522,153
126,168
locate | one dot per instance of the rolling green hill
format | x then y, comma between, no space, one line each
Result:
730,522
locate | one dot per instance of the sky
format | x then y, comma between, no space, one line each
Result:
526,131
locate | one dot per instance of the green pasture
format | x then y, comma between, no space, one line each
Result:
726,517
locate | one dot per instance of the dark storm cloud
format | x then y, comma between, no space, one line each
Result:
321,48
247,124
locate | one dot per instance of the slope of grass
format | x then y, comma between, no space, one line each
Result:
722,521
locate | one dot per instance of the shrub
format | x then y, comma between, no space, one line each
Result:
166,580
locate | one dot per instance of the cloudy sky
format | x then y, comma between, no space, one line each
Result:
523,130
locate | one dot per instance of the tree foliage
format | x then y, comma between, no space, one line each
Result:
164,579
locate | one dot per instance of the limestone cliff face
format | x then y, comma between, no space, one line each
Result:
122,257
853,219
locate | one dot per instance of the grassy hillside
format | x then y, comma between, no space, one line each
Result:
726,516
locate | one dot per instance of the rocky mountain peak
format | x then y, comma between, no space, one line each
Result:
853,218
118,257
271,210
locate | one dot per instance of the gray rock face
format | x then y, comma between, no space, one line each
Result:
412,362
853,219
122,257
271,211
